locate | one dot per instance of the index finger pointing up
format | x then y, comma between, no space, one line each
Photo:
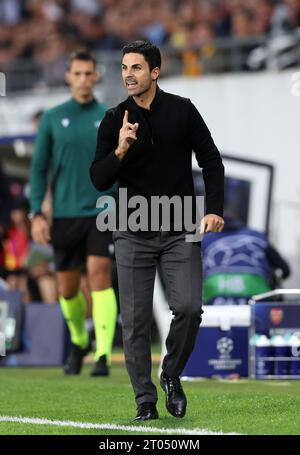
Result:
125,118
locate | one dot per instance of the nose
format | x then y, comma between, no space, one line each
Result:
127,72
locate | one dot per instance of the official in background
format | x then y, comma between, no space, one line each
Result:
64,149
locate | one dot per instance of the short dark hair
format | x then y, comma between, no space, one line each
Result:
81,54
148,50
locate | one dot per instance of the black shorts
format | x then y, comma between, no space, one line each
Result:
74,239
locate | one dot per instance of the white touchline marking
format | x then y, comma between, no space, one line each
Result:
110,426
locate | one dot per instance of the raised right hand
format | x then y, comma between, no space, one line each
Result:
127,136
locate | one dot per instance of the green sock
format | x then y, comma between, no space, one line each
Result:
104,317
74,313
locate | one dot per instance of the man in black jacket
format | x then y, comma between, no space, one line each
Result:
146,143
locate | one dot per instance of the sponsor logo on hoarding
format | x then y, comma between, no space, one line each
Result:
225,345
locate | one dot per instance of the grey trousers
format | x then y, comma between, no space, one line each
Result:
181,264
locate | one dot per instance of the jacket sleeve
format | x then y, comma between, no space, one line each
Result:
209,160
40,164
105,168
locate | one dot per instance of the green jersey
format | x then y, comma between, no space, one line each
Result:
65,146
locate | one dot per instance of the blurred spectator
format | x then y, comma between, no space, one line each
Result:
243,24
16,248
264,15
90,7
5,208
10,11
199,35
108,24
24,265
5,200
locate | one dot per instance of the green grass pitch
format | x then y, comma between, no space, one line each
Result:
244,406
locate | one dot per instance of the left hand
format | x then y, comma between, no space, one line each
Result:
211,223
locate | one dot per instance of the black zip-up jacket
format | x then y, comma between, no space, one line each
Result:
160,161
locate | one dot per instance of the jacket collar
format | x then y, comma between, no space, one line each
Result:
156,100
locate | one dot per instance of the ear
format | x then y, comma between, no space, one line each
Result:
155,73
67,77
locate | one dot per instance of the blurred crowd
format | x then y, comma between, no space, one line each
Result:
24,265
47,30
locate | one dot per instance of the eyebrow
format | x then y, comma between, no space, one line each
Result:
135,65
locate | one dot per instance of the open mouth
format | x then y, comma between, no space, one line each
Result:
131,84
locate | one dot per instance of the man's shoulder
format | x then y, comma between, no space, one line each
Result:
119,107
175,99
117,111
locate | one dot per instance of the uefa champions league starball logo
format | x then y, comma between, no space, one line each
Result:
225,345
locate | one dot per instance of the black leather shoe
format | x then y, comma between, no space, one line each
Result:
75,359
146,411
100,368
175,396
